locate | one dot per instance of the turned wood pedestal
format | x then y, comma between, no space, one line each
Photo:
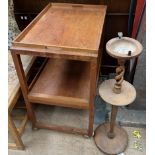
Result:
109,137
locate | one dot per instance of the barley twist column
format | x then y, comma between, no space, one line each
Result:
120,70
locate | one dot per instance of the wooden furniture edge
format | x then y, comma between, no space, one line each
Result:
14,146
70,5
103,22
17,132
53,100
51,47
93,85
86,56
28,28
63,128
37,75
22,125
15,135
16,91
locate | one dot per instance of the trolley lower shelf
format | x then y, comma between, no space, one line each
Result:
63,83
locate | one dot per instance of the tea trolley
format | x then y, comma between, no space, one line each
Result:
69,36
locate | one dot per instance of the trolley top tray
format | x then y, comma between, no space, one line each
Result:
64,27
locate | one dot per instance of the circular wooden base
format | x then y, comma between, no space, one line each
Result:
107,145
127,95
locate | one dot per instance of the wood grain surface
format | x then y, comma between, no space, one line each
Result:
127,95
63,82
111,146
73,26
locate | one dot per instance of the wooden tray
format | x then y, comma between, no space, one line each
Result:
74,29
62,83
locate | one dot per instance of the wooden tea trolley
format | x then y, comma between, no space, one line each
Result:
69,36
